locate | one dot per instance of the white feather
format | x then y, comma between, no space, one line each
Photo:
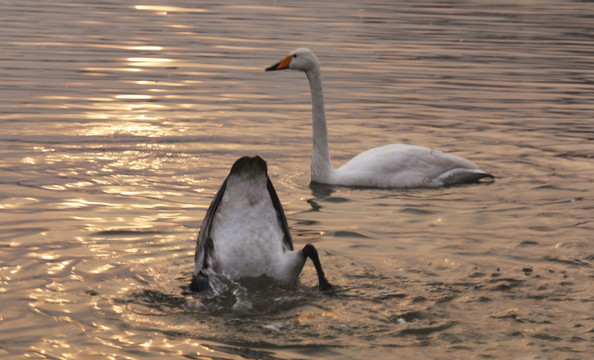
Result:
246,234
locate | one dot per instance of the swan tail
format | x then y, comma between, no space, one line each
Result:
464,176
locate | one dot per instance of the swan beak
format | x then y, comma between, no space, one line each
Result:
283,64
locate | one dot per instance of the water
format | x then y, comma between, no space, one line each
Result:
120,121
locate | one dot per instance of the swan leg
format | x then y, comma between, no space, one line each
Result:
309,251
200,283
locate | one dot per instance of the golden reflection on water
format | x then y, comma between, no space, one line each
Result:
139,117
79,184
145,48
137,125
134,97
148,61
57,267
53,187
28,160
103,71
120,106
164,9
102,268
17,202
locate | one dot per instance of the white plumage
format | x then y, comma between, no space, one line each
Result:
247,238
245,232
396,165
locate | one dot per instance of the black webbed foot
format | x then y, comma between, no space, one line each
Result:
309,251
200,283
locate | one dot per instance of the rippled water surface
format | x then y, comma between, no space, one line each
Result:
121,119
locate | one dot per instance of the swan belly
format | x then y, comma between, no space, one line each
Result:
400,165
248,240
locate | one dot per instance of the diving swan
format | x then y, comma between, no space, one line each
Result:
245,233
389,166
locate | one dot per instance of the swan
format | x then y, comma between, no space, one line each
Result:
245,233
389,166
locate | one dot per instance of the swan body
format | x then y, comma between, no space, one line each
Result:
245,232
390,166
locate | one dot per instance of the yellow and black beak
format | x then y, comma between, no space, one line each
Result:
283,64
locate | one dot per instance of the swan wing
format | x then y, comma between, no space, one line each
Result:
204,243
402,165
280,215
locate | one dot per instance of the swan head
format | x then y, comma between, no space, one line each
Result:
301,59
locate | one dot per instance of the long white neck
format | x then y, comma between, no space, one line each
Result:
321,166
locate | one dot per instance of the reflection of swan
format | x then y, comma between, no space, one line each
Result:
396,165
245,232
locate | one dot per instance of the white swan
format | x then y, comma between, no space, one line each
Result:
396,165
245,233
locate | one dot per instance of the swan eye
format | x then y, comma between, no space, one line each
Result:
294,55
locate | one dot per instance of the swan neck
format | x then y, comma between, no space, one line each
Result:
321,166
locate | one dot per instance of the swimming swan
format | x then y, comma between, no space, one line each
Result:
389,166
245,232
